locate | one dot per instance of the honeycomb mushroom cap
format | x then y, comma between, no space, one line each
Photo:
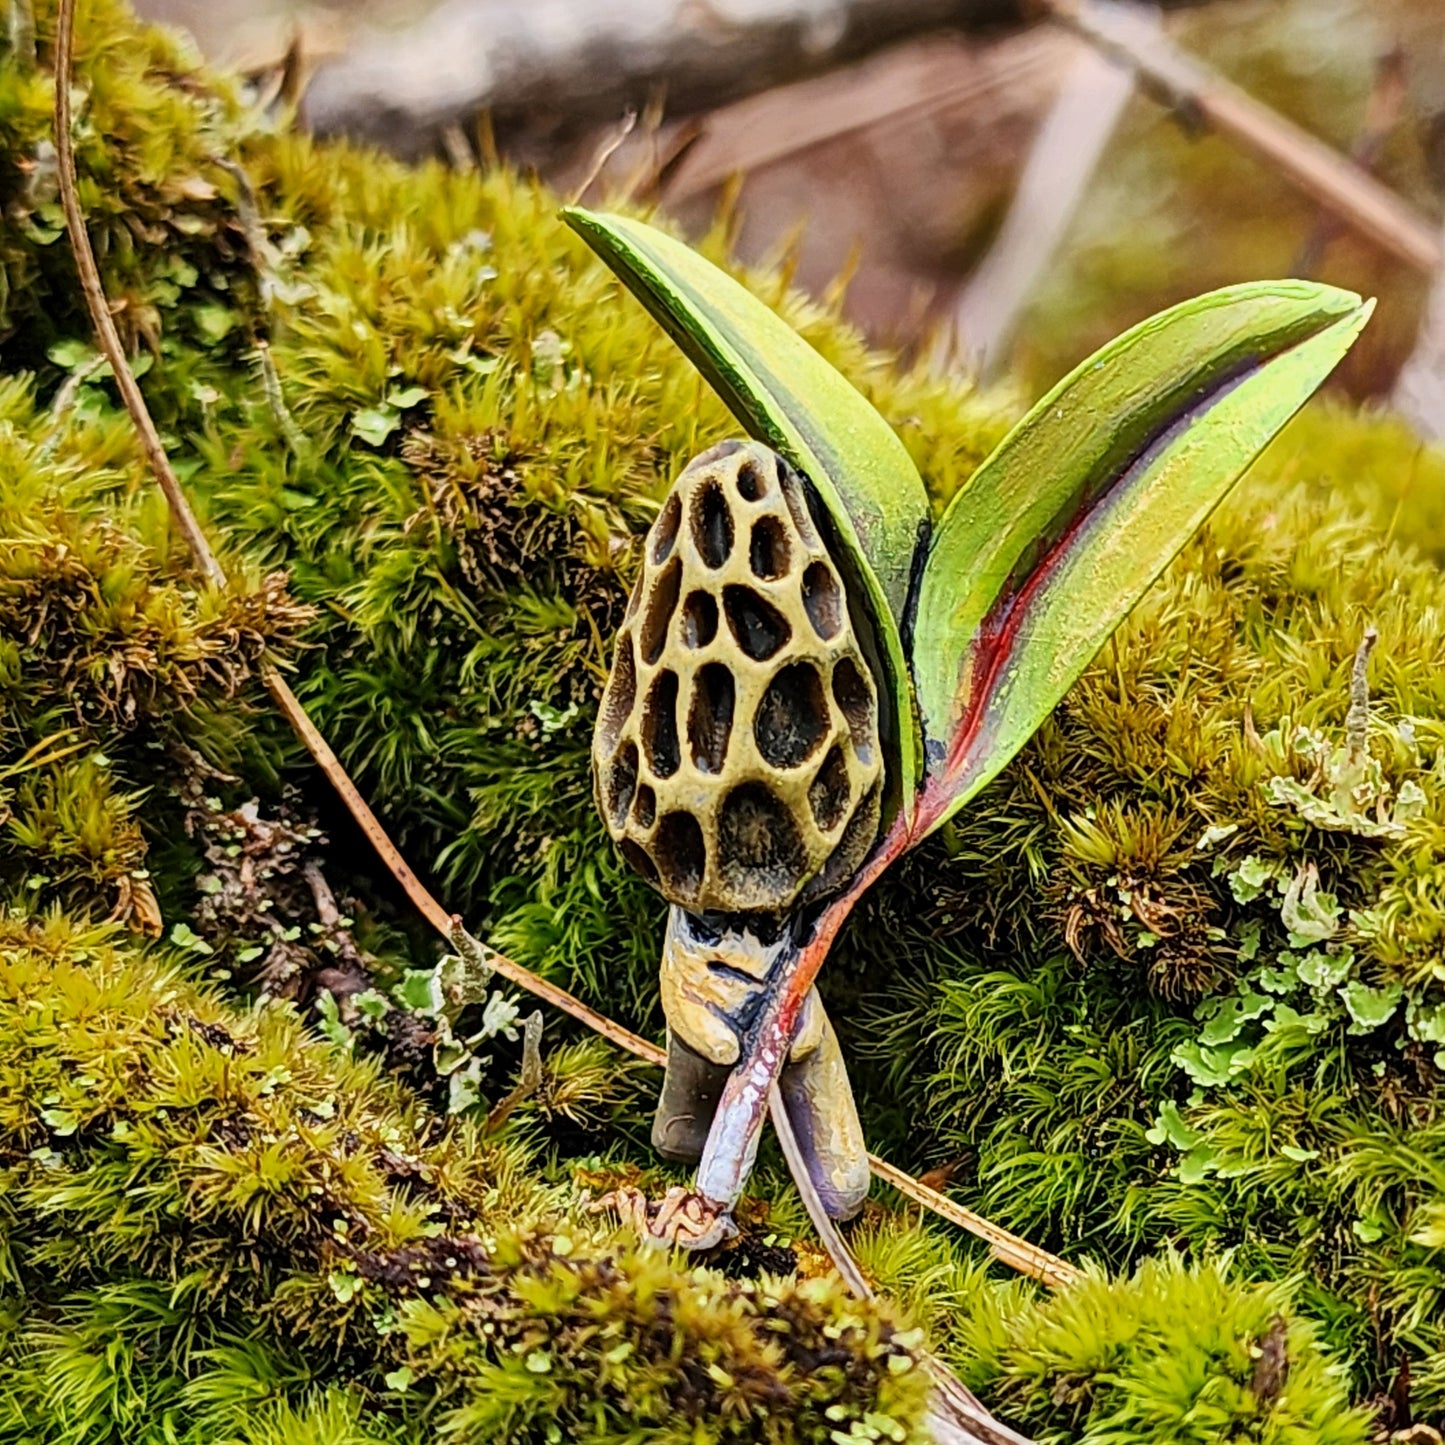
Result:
736,758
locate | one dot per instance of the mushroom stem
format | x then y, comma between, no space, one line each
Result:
732,1142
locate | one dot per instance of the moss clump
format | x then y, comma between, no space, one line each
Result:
241,1205
110,670
453,442
1169,1355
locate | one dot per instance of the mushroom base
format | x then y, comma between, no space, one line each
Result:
710,1001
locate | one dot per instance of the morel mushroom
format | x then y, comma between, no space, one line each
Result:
737,756
738,763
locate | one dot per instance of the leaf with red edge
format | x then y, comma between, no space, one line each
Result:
1060,532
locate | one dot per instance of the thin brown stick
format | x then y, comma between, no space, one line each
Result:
1065,153
1008,1248
1386,104
207,564
955,1416
446,924
99,307
605,152
1329,178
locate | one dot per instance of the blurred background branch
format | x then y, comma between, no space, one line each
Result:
974,181
1419,393
1183,84
1069,145
592,59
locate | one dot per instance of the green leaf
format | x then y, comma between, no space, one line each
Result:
1321,970
71,353
345,1284
1214,835
419,991
1060,532
1233,1013
787,396
184,936
1170,1128
372,1004
1368,1229
214,322
1248,881
1431,1232
331,1024
1212,1067
1425,1022
1194,1167
60,1122
374,424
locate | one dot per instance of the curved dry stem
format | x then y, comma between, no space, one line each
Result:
106,335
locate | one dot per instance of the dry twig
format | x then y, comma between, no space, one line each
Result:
1007,1248
955,1414
101,318
1003,81
1064,155
592,60
1419,392
1382,114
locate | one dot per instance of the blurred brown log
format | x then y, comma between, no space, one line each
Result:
591,60
905,87
891,172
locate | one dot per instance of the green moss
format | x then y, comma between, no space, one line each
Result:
1170,1355
462,432
195,1197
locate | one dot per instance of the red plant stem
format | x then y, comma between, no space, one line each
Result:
732,1142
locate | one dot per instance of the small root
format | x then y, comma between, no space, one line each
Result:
682,1217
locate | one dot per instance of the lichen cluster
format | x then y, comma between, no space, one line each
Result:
1173,982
